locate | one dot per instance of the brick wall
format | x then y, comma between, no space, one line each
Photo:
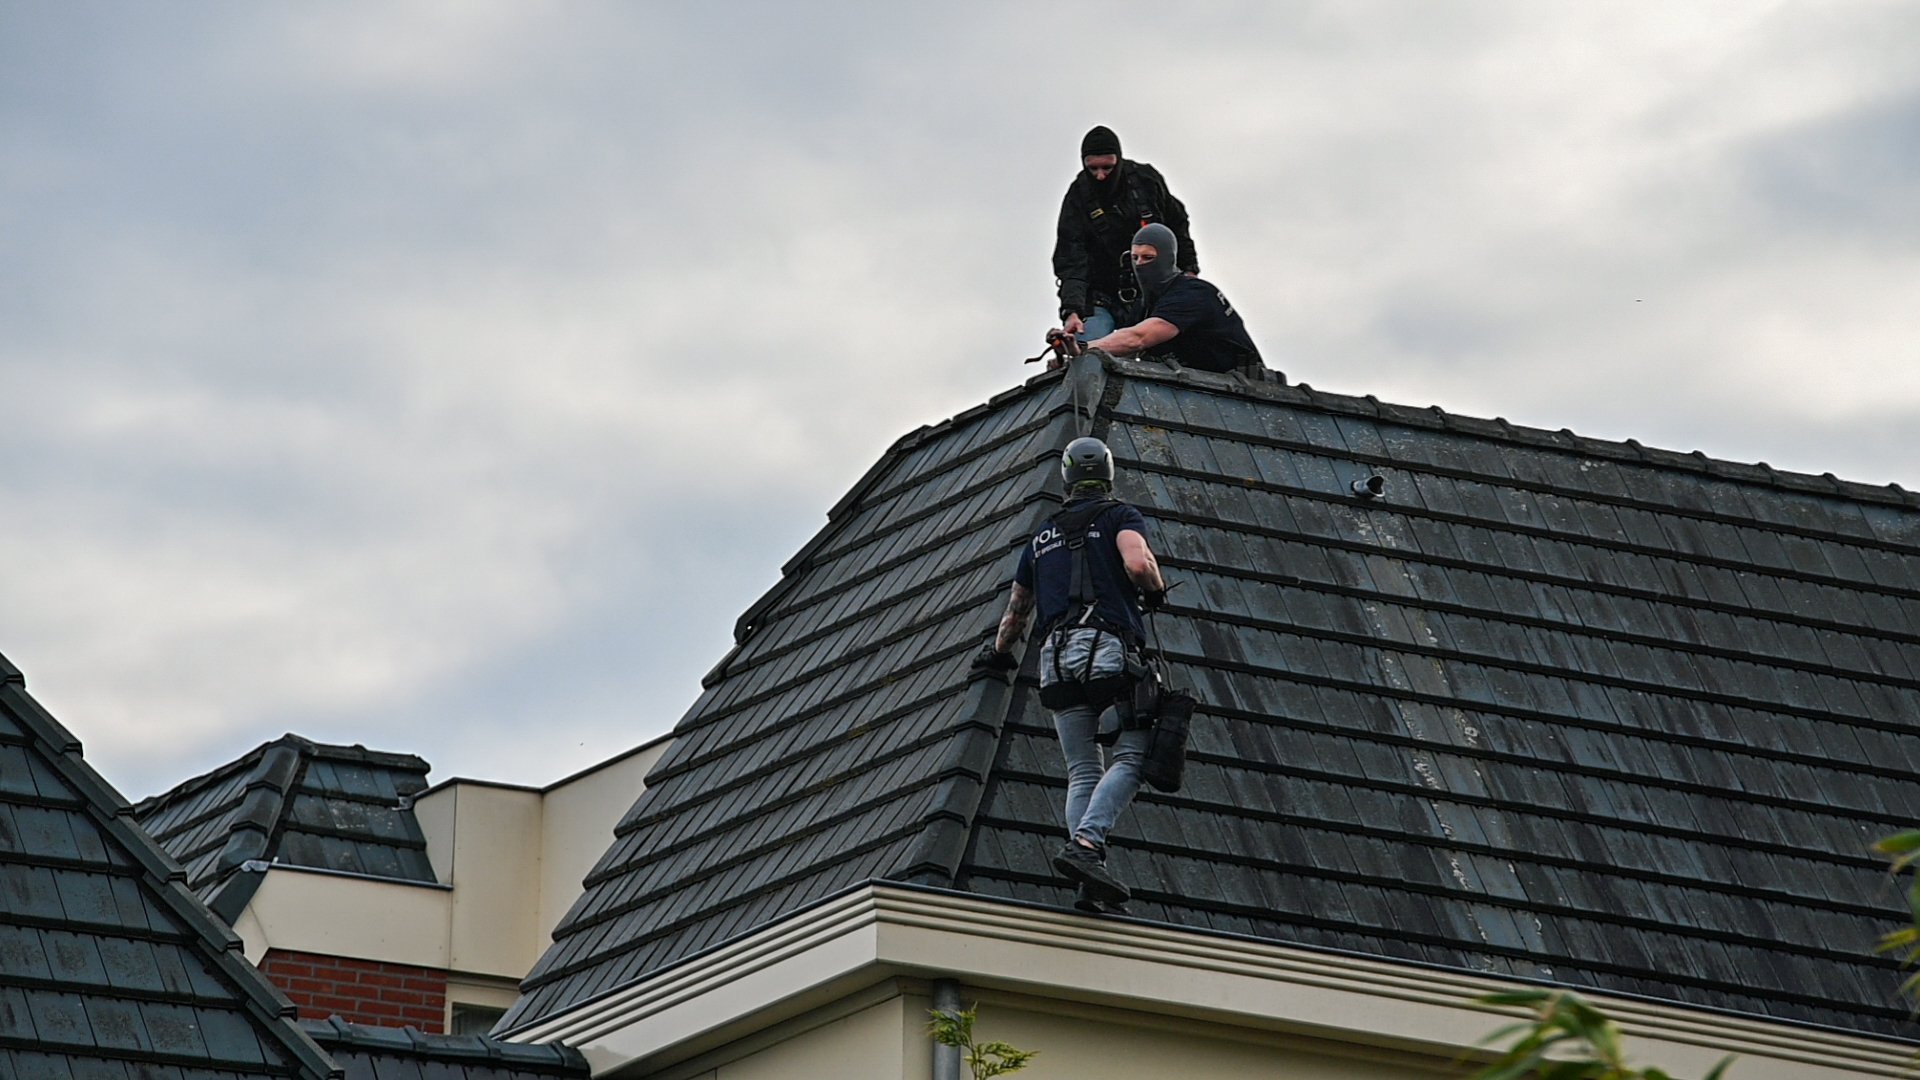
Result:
359,991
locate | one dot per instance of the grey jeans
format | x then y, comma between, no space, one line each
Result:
1097,790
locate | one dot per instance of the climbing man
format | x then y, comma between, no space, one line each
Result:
1184,317
1090,573
1107,202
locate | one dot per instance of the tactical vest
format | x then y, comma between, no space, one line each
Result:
1137,207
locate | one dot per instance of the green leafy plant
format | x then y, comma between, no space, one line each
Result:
1583,1043
1902,850
985,1059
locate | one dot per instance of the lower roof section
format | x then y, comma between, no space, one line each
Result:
110,968
877,932
295,802
382,1053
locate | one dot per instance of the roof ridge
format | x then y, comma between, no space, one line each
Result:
1549,531
354,752
358,752
1500,428
237,870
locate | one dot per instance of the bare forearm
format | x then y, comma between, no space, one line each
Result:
1143,335
1014,624
1142,568
1146,575
1125,341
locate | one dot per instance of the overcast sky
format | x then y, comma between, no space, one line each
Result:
448,377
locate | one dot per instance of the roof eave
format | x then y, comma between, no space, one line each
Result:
880,932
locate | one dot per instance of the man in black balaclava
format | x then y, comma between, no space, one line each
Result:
1185,318
1107,202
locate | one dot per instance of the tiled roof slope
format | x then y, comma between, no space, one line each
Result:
1568,710
1549,707
840,741
370,1053
109,967
297,802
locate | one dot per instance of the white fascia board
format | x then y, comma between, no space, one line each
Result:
768,976
880,932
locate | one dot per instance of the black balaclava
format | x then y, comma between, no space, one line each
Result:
1101,140
1155,276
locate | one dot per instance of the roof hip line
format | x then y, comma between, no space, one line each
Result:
937,856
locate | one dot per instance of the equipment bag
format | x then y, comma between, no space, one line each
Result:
1164,764
1170,712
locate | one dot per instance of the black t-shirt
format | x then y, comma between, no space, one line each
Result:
1212,337
1047,560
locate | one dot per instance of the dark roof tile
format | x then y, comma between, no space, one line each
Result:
108,941
297,802
367,1053
1551,706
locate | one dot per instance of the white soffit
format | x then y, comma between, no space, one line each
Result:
879,932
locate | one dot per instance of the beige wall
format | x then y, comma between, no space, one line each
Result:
509,860
495,927
347,915
1078,1040
515,856
577,828
887,1041
863,1046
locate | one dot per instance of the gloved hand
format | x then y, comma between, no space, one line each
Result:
993,660
1152,600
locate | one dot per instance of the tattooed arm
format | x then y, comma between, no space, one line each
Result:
1019,616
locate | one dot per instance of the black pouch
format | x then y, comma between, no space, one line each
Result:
1147,689
1164,764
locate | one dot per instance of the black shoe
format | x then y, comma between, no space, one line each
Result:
1093,905
1081,864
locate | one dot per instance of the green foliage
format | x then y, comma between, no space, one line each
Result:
1902,850
984,1059
1567,1039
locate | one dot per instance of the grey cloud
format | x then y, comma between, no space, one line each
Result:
402,374
1858,173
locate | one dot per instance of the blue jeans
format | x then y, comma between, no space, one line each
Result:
1097,793
1098,325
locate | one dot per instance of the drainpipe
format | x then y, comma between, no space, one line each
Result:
946,1059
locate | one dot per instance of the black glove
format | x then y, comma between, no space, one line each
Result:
992,659
1152,600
